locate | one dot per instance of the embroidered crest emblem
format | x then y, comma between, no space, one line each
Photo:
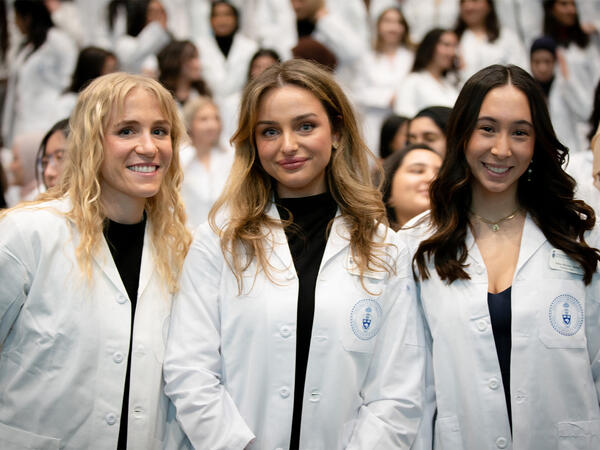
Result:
566,315
365,318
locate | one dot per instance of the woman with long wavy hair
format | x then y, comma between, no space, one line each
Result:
87,273
508,281
296,312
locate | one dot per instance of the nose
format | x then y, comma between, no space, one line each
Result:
145,145
290,144
501,147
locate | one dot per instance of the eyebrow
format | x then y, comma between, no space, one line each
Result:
517,122
123,123
295,119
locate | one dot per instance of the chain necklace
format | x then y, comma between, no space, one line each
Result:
495,226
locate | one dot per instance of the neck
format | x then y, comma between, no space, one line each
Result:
435,71
121,208
478,30
494,206
389,48
182,89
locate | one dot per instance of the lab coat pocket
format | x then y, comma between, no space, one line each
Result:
583,435
16,439
562,314
447,434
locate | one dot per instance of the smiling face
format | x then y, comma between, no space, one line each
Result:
501,147
410,184
294,138
445,51
474,12
137,153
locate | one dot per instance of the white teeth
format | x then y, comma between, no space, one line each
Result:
498,170
143,169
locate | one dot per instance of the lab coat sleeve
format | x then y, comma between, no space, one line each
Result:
592,316
407,96
192,366
394,389
16,274
132,51
341,40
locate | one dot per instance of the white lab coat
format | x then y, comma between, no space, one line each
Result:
554,367
478,53
376,83
201,186
134,53
34,84
524,17
229,366
226,76
64,340
420,90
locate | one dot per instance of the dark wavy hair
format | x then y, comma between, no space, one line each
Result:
170,62
389,128
492,25
39,21
426,49
548,197
90,63
563,35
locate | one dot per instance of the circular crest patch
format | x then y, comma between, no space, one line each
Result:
365,318
566,315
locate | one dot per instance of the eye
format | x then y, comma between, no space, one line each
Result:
161,131
127,131
269,132
521,133
486,128
306,127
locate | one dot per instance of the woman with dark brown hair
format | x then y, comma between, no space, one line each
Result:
508,282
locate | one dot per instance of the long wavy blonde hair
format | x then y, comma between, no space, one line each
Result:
249,189
81,179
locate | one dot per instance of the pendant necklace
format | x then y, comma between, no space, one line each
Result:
495,226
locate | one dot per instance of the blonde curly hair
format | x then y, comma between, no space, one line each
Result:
249,189
81,179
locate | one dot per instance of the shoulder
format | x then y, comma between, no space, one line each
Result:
38,216
58,38
416,230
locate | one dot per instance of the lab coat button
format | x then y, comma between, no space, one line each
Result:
315,396
493,383
501,442
284,392
481,325
110,418
121,299
479,269
285,331
118,357
520,397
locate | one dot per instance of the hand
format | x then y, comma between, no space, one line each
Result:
320,13
588,28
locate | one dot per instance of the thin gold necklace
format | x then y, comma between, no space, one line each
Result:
495,226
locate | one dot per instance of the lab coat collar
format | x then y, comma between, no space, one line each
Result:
338,240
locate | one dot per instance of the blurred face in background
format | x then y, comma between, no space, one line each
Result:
191,69
206,127
110,65
223,20
542,65
410,184
53,159
260,64
423,130
474,12
565,12
391,27
445,51
306,9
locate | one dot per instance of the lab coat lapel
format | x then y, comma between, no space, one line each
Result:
473,250
147,265
103,258
531,240
338,240
277,241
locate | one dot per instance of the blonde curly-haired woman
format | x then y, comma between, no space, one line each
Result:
86,277
296,324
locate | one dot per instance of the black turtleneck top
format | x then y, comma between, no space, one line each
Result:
126,243
307,238
225,43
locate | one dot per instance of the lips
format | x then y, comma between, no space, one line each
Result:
292,163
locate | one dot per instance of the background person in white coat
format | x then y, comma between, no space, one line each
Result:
431,81
508,283
297,314
86,277
381,71
38,74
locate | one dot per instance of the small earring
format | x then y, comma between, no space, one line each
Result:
529,173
